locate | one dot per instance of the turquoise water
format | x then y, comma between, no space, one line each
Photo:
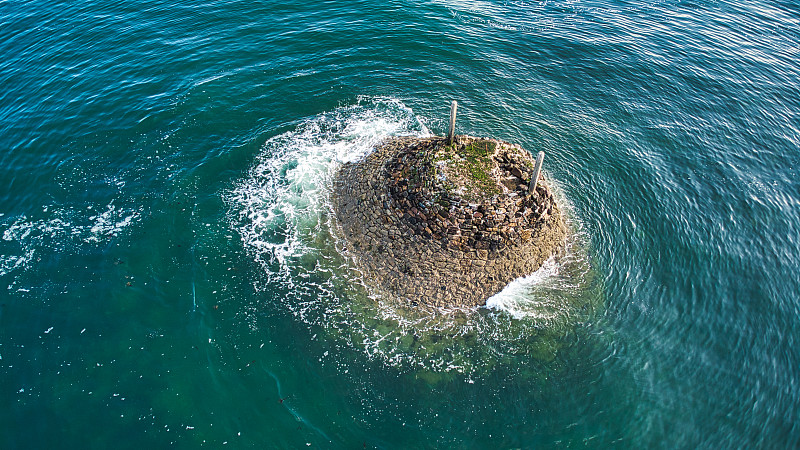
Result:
170,275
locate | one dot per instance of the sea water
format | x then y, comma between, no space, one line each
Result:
171,273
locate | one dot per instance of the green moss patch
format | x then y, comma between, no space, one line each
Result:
470,166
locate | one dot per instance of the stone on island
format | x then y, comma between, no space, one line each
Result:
446,225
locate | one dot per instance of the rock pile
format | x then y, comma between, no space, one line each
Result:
446,225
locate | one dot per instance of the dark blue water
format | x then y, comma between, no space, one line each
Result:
171,275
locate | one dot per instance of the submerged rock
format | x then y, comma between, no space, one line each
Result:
446,225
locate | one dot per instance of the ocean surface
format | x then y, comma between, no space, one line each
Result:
171,275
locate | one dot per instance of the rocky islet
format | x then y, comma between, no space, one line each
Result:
445,225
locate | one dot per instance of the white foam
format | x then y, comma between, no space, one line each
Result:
9,263
286,192
62,228
109,223
518,297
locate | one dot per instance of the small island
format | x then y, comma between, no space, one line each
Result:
446,222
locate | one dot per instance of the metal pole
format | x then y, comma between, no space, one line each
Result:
452,133
536,171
